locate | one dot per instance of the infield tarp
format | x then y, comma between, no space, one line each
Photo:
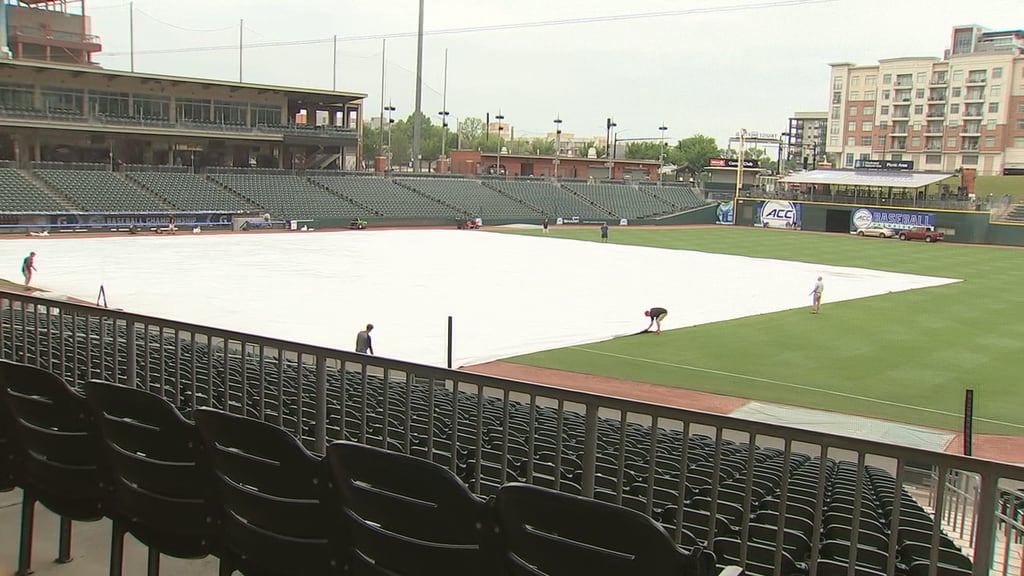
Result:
508,294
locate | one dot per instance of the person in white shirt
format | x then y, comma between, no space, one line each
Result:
819,287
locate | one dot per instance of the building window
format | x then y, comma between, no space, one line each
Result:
919,93
869,110
869,80
915,141
1020,124
855,81
866,125
837,83
997,73
851,126
917,125
835,113
995,91
933,159
192,110
969,160
951,142
1018,142
954,123
833,141
990,124
884,124
897,157
109,103
852,111
17,96
922,77
849,159
993,107
834,129
851,141
865,140
869,94
958,75
855,95
886,79
957,91
954,108
881,141
884,110
230,113
151,107
62,101
990,141
265,115
919,109
1020,108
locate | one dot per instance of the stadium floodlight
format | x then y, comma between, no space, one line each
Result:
389,109
444,129
558,141
499,118
609,124
661,156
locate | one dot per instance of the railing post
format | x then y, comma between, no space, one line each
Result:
320,426
129,369
590,450
985,540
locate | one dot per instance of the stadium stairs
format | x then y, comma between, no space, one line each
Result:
1015,215
588,200
32,193
489,184
343,196
52,192
460,210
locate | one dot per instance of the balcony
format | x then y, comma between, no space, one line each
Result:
975,80
970,148
939,81
975,97
937,97
973,113
904,83
933,129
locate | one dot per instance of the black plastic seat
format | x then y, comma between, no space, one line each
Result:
402,515
52,424
543,532
269,491
161,496
760,559
11,457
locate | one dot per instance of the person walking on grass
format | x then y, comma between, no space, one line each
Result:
656,315
364,343
819,287
546,225
28,266
604,231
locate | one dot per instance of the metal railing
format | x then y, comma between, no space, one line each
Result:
656,459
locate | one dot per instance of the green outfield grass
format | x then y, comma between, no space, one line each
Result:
906,356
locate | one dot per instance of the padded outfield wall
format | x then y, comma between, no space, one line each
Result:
958,226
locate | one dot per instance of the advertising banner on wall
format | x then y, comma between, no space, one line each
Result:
778,214
725,212
862,218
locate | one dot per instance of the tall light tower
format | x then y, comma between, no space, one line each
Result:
558,141
739,169
661,157
499,118
609,124
444,129
389,109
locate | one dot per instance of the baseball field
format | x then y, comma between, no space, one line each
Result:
906,356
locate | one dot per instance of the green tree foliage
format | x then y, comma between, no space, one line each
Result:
644,150
693,154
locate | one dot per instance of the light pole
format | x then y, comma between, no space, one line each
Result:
661,157
389,108
778,164
739,170
499,118
558,141
444,129
609,124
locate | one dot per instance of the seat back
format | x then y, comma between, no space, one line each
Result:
402,515
268,487
11,459
151,455
61,449
543,532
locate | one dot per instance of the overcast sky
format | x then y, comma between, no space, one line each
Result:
709,66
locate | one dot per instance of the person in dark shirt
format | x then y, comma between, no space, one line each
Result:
28,266
604,232
364,344
656,315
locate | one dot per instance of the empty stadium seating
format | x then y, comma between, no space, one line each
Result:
623,201
472,198
191,192
101,191
289,196
19,194
679,196
551,199
383,197
724,488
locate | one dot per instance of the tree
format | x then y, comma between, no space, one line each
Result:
471,131
644,150
693,154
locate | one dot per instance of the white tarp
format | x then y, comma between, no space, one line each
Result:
508,294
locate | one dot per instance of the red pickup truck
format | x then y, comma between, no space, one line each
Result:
920,233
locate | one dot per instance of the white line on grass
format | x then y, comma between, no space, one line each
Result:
790,384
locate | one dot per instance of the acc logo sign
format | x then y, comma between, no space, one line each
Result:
779,215
862,218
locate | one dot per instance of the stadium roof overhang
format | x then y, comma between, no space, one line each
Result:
867,179
321,97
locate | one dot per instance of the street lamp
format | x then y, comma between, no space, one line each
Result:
444,129
499,118
609,124
389,109
661,157
558,141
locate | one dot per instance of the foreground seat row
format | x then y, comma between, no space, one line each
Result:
248,493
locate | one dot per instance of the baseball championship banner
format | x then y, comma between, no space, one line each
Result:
778,214
862,218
